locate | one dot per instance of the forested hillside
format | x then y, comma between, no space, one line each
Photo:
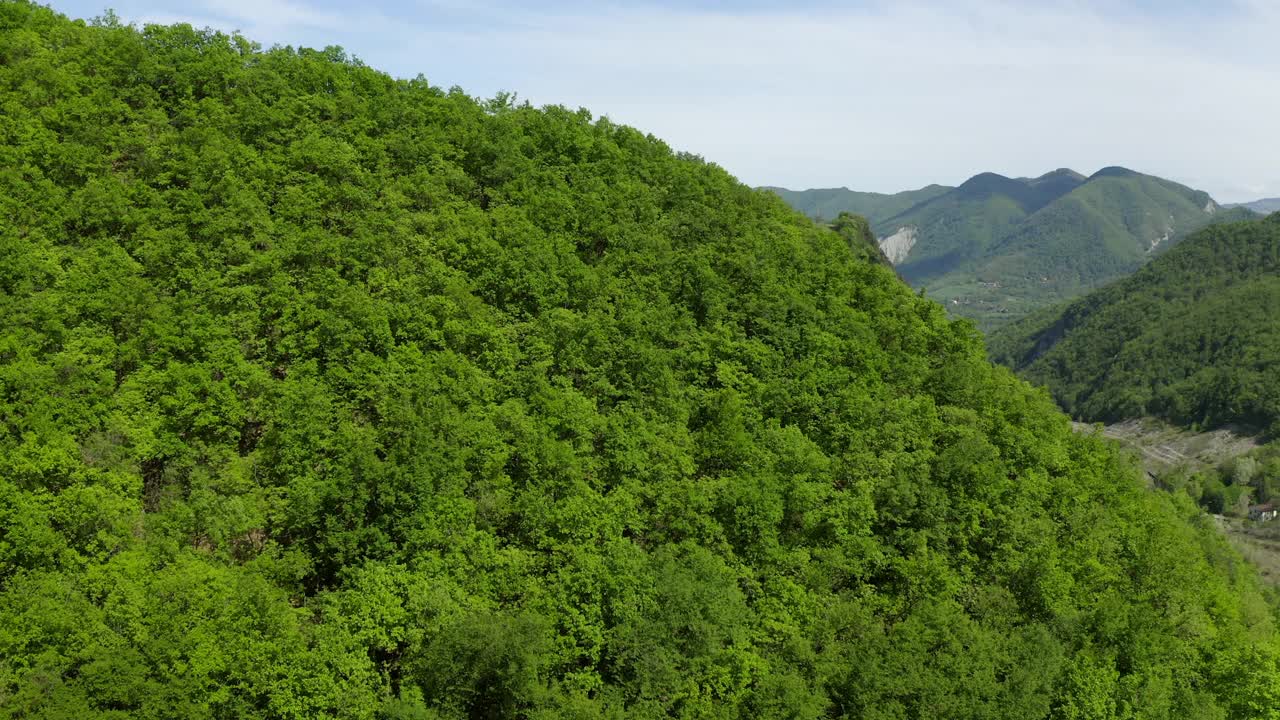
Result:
325,394
1194,337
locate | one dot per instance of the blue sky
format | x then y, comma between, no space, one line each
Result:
874,95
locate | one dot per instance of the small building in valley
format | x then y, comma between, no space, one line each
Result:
1263,513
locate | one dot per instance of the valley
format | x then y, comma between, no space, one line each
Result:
1163,447
1169,454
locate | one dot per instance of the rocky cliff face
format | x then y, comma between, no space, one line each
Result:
898,246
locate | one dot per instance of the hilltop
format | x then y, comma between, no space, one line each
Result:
327,394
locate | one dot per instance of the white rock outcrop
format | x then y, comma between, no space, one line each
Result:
898,246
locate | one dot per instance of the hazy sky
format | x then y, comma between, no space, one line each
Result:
879,95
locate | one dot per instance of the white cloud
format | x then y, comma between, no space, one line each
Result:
165,18
276,14
275,21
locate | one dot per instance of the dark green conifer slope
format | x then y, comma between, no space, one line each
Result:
1194,337
324,394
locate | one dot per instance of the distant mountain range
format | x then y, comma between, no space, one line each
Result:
996,248
1265,206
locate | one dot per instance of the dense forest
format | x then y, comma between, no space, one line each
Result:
326,394
1193,338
